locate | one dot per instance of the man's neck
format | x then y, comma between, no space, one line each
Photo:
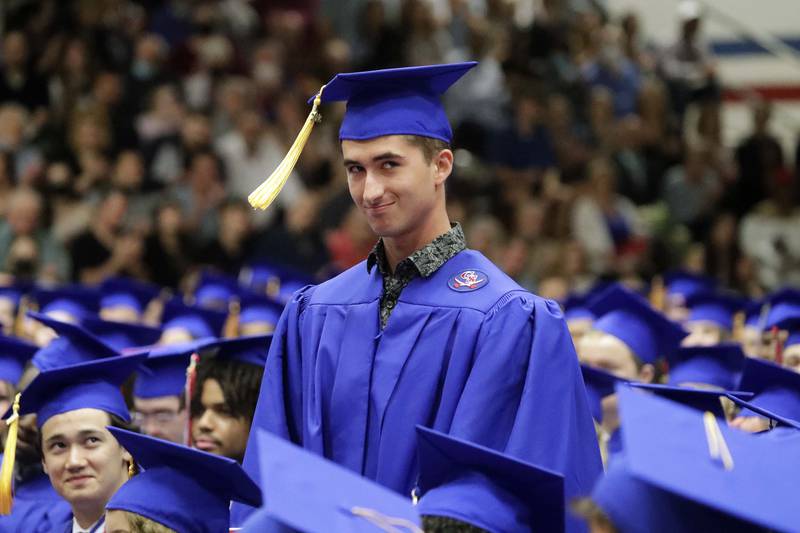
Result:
87,517
402,246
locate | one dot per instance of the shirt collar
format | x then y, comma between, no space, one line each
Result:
427,259
97,527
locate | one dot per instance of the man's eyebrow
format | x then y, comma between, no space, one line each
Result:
380,157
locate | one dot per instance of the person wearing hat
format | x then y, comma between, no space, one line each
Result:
691,473
710,318
184,323
719,366
225,393
180,490
122,335
680,285
70,303
424,331
215,291
776,397
259,314
159,392
627,340
782,324
85,463
125,299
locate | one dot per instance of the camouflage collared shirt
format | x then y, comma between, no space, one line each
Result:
423,262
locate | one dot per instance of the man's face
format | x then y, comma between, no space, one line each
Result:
216,429
161,417
391,183
608,353
85,462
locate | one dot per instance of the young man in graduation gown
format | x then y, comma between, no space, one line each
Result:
424,331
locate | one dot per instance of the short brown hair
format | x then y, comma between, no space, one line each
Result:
429,146
142,524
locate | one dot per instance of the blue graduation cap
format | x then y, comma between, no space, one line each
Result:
698,399
126,292
776,391
682,284
256,308
121,335
396,101
485,488
575,308
93,384
11,293
76,301
181,488
753,314
719,477
715,307
629,317
215,291
199,322
14,354
599,384
252,350
163,373
719,365
308,493
74,344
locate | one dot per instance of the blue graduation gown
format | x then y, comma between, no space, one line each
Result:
37,508
494,365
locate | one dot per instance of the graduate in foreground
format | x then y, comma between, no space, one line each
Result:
424,331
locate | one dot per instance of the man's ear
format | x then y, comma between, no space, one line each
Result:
126,457
44,466
443,166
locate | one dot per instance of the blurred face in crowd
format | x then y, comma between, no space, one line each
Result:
24,212
129,171
703,333
15,50
216,428
791,357
113,210
607,352
162,418
752,342
390,180
85,463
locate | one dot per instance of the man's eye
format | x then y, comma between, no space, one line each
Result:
389,164
56,446
354,169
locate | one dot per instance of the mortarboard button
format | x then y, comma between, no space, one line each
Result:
181,488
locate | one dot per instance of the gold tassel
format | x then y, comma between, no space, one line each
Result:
266,193
658,294
231,328
9,457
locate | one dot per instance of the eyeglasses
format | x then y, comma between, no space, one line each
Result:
159,417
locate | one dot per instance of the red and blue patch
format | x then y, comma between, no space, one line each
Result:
468,280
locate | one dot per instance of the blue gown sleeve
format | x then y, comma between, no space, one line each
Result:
525,395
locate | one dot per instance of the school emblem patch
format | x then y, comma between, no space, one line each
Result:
469,280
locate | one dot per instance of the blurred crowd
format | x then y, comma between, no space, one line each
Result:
131,133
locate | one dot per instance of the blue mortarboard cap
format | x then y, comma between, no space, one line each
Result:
396,101
215,291
629,317
753,312
14,354
719,365
675,456
715,307
683,283
125,292
11,293
252,349
599,384
575,308
74,344
75,300
486,488
93,384
776,391
181,488
311,494
698,399
121,335
199,322
258,308
164,370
